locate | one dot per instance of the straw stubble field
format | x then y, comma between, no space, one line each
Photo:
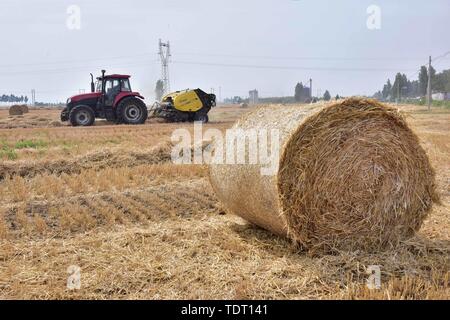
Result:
108,199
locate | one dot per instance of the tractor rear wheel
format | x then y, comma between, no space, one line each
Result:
82,116
132,111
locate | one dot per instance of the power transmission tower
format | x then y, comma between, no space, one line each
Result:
164,54
429,85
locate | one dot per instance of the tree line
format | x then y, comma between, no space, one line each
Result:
405,88
14,99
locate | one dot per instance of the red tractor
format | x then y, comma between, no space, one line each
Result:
111,98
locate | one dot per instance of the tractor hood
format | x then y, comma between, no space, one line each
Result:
85,96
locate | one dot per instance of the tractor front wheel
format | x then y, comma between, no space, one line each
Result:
82,116
132,111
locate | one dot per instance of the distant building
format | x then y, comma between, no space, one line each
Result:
253,97
440,96
306,93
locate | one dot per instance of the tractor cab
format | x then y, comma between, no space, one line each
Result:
113,85
111,98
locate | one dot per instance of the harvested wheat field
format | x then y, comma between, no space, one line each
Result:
108,200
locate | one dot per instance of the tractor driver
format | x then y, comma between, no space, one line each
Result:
112,92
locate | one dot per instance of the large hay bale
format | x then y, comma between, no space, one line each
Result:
351,175
24,108
15,111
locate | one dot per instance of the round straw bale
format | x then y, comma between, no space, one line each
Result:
15,111
351,175
24,108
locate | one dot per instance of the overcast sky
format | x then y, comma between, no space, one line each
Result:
237,45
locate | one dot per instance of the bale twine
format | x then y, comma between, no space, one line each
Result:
351,175
15,111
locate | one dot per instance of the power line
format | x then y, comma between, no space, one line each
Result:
300,58
73,61
64,70
285,67
442,56
145,54
221,64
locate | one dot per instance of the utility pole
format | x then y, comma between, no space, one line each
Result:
429,85
164,54
310,90
33,97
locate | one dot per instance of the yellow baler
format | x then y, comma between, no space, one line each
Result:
186,105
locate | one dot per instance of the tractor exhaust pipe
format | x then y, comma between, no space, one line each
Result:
103,80
103,87
92,83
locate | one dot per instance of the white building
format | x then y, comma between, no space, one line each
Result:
253,97
440,96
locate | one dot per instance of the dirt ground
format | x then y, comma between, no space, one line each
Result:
108,200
